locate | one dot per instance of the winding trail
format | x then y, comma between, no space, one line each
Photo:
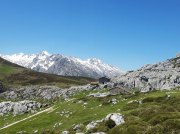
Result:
46,110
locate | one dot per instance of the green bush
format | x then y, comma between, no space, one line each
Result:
155,99
130,129
172,126
102,128
131,106
158,119
157,129
51,132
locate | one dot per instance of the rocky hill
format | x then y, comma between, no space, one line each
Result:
63,65
163,75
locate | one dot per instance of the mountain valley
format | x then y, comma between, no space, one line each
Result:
144,101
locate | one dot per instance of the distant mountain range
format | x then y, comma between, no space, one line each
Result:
63,65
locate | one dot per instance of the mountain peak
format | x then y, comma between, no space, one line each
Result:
44,53
95,60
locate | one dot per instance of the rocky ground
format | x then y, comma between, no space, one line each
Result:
20,107
163,75
44,92
89,110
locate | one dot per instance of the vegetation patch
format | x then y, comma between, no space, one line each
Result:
151,113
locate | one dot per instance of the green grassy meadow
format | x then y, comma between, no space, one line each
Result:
150,113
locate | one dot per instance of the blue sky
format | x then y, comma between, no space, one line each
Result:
124,33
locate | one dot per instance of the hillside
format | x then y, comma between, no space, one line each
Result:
151,113
15,75
163,75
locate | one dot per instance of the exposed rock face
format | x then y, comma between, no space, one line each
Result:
164,75
43,92
18,107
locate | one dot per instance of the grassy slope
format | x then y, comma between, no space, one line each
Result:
12,74
157,114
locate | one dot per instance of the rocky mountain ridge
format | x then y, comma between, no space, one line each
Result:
63,65
163,75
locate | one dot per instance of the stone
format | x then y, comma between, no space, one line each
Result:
91,125
77,127
100,95
99,133
65,132
114,101
116,117
43,92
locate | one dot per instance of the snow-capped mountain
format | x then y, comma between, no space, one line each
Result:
63,65
20,59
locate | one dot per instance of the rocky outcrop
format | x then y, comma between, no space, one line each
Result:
110,121
117,118
163,75
20,107
43,92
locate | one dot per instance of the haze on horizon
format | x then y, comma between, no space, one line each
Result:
126,34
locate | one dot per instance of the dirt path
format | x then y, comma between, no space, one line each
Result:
46,110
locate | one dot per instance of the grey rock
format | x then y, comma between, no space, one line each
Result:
65,132
18,107
43,92
163,75
91,125
77,127
114,101
100,95
116,117
99,133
